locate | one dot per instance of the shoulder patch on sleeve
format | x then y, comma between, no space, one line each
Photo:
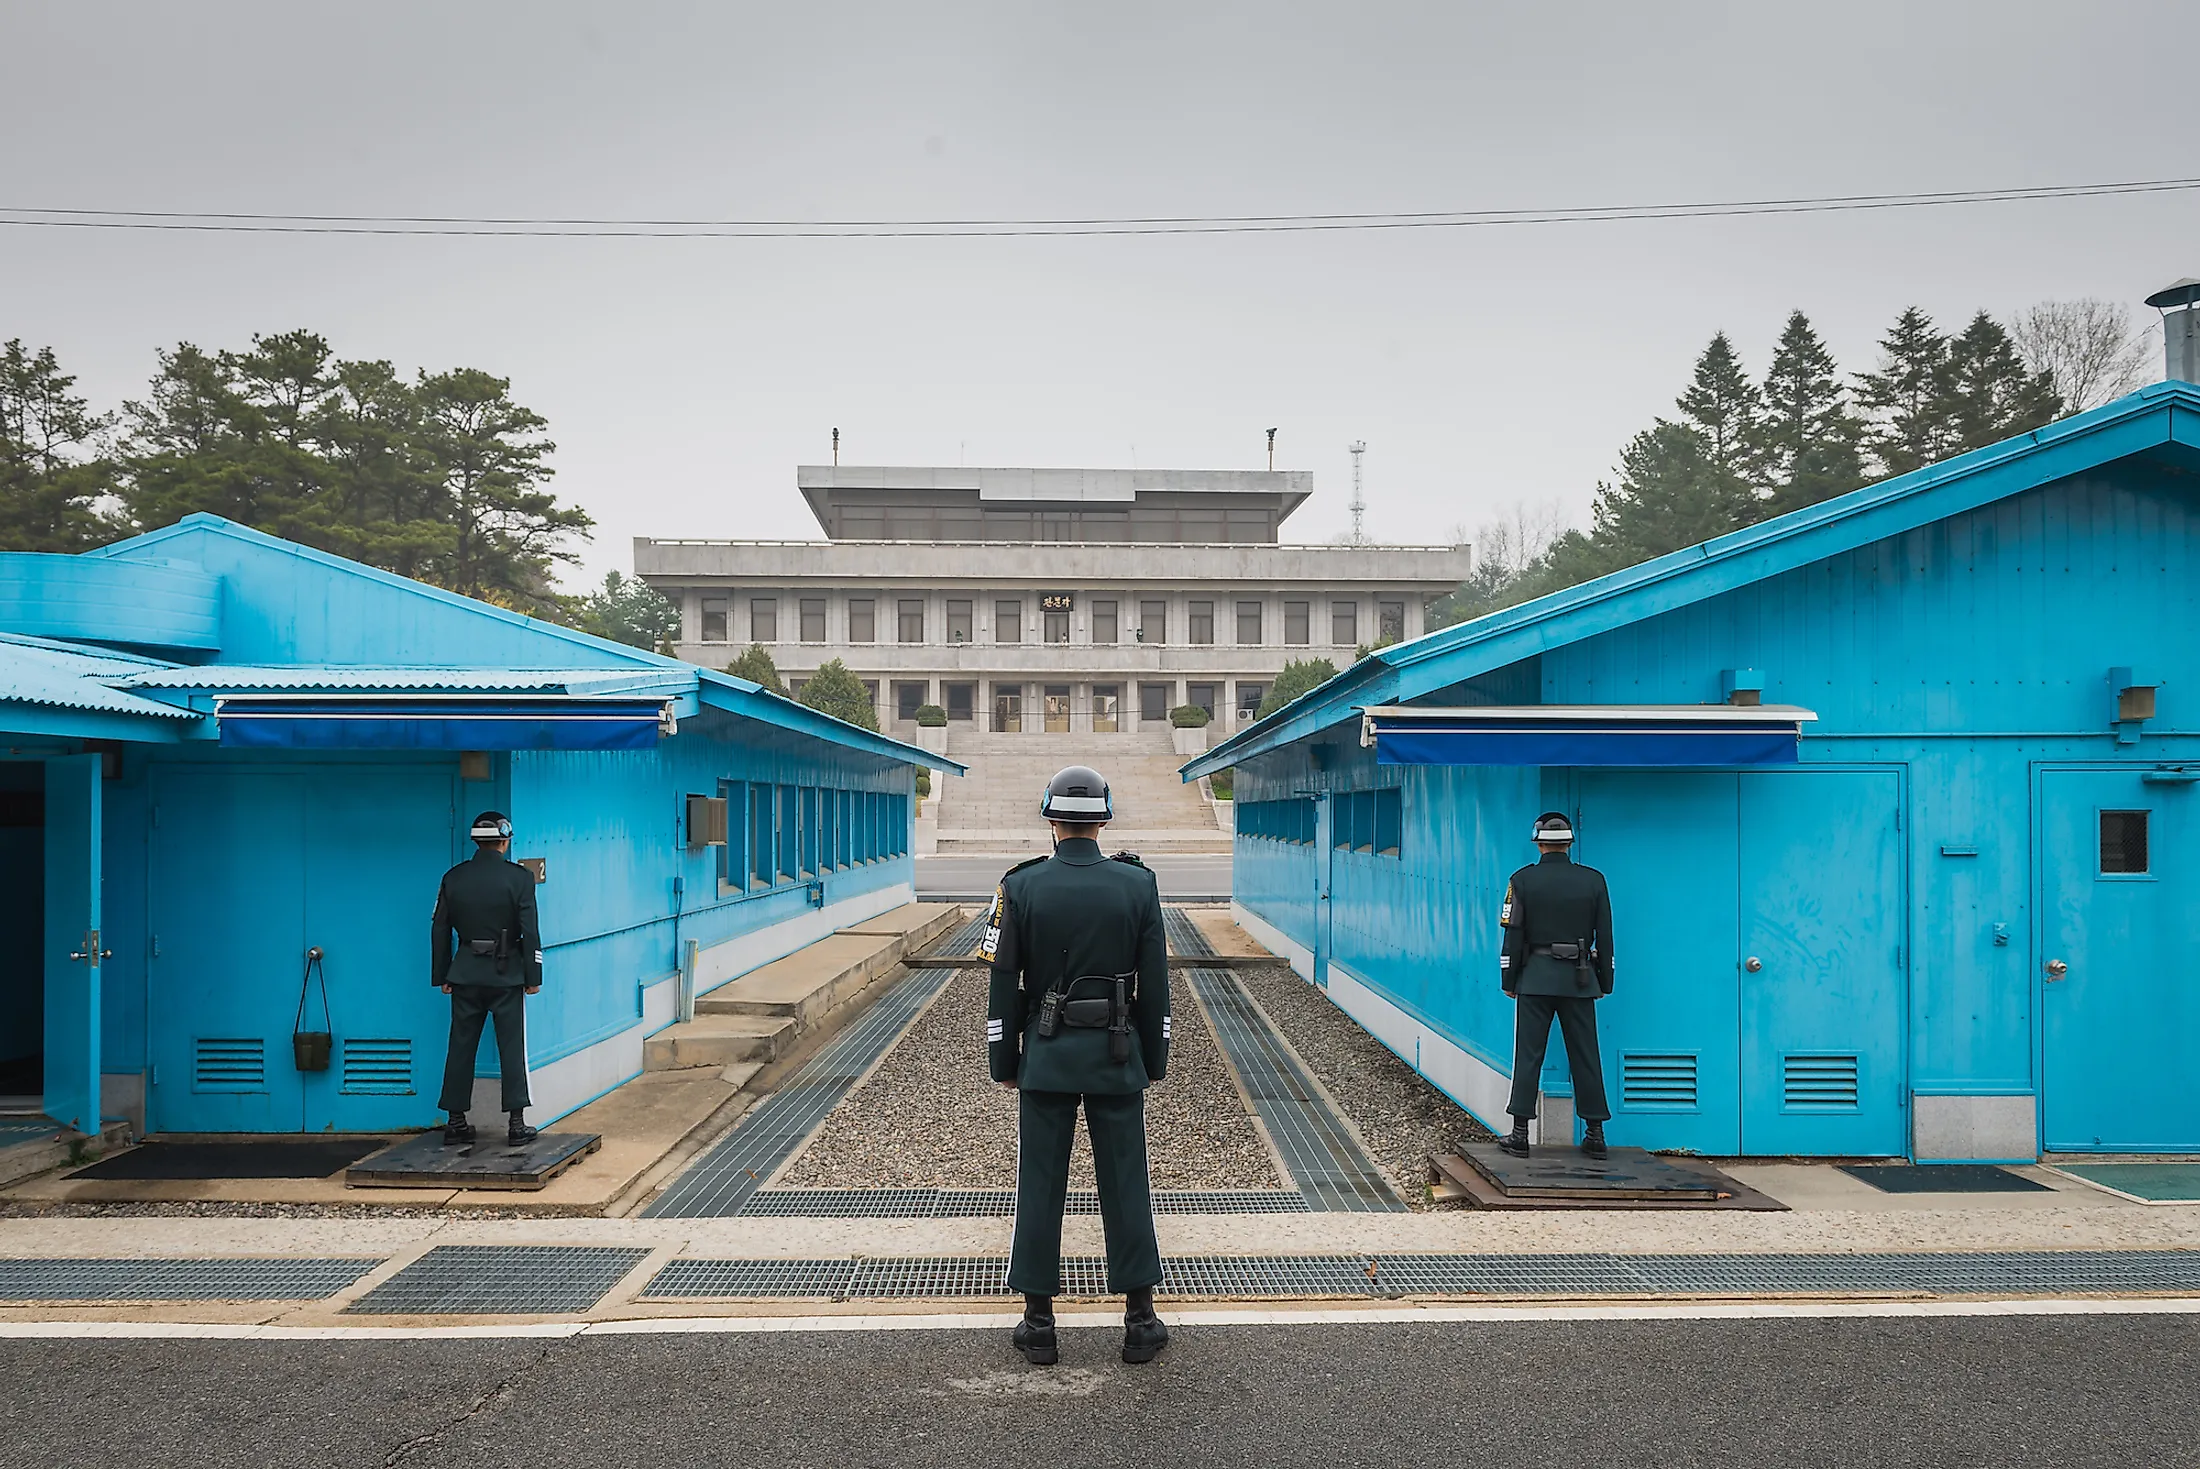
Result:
1505,914
990,945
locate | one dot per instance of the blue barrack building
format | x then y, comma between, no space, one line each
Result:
222,749
1896,794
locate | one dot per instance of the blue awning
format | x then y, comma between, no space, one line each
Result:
1586,735
450,723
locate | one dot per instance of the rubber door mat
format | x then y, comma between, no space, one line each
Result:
1943,1178
305,1158
178,1280
500,1280
2157,1183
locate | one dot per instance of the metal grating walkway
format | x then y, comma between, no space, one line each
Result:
1184,935
500,1280
719,1183
1319,1151
947,1203
963,940
1237,1277
178,1280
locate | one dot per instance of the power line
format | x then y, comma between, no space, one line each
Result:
561,228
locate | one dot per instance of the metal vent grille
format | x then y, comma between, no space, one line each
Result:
382,1068
229,1064
1819,1083
1657,1081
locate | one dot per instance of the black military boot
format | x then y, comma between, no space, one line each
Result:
1592,1140
518,1131
1035,1333
1516,1141
1143,1334
457,1130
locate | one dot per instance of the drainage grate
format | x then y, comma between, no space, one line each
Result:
178,1280
961,941
1362,1276
1319,1151
943,1203
720,1182
692,1279
1184,935
500,1280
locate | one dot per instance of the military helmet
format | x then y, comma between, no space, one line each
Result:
491,826
1553,826
1078,795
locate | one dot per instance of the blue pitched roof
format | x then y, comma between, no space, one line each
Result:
66,678
541,640
2162,420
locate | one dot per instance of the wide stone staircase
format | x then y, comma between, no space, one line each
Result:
995,808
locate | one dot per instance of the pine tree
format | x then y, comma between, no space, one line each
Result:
1807,438
1299,676
631,611
1906,401
1990,394
1670,494
52,473
836,691
1725,406
486,453
757,667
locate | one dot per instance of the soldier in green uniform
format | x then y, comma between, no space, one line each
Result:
1078,1014
1556,962
488,952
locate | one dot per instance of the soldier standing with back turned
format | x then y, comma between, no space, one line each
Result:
1078,1013
487,954
1556,962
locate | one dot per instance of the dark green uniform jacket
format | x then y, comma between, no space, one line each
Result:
1556,902
487,902
1077,915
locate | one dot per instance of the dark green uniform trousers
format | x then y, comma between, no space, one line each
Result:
470,1005
1577,1021
1047,1125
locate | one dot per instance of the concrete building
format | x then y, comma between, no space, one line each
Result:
1898,795
219,749
1048,600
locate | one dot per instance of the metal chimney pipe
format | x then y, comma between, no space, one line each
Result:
2180,308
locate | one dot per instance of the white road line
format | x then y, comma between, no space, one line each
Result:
1219,1316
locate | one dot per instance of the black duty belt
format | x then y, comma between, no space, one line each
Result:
1560,951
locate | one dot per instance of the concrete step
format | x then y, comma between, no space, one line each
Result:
37,1154
719,1041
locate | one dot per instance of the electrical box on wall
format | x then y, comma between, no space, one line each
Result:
706,822
2134,695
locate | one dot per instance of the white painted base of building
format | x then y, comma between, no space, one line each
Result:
573,1081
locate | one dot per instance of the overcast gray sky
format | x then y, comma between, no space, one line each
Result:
684,379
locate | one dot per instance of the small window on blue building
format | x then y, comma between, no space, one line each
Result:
763,841
845,834
809,831
1389,816
790,831
733,857
2123,842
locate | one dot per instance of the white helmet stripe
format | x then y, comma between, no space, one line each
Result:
1554,833
1078,805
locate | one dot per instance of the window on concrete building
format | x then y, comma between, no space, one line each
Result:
909,619
862,523
1390,621
1249,696
2123,843
1103,622
908,699
763,619
1008,622
1153,622
1202,694
1295,620
862,620
1344,624
795,686
1108,526
1057,627
1203,622
958,621
1249,630
962,700
813,619
1054,525
1200,527
1104,706
960,525
1251,526
907,524
714,619
1153,702
870,690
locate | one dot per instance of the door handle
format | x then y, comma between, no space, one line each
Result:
1753,964
91,953
2056,969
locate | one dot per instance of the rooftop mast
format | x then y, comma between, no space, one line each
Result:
1359,500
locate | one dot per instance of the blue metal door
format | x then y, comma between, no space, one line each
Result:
384,838
1325,815
72,941
2119,863
227,911
1670,1031
1821,941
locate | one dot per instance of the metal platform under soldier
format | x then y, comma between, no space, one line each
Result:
1567,1178
426,1161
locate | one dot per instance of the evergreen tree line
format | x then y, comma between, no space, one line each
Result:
440,476
1743,449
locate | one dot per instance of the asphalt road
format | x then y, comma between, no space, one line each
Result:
1814,1394
1184,875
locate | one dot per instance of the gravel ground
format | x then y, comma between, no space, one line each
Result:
929,1117
1400,1117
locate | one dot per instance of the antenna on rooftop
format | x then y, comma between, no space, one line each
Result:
836,446
1271,448
1359,500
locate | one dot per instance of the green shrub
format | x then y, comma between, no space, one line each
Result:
1299,676
1223,783
931,716
757,667
1189,716
836,691
924,783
